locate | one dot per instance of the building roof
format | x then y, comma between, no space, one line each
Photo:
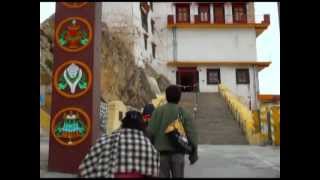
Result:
269,97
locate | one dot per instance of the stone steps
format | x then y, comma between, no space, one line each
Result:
214,122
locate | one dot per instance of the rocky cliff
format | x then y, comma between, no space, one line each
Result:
121,79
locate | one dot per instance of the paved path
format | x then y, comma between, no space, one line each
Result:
44,150
214,161
236,161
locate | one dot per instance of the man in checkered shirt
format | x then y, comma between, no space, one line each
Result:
127,152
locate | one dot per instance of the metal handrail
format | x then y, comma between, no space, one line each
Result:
195,97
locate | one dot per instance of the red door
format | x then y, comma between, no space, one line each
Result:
187,77
218,9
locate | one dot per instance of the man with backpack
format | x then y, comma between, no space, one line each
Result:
171,156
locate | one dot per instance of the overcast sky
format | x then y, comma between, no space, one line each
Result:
268,44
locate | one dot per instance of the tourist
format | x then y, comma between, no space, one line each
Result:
147,112
126,153
171,157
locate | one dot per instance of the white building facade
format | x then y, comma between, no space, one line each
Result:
195,45
201,45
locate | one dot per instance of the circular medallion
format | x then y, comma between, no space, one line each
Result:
74,4
70,126
72,79
73,34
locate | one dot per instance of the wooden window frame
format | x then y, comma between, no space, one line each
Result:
151,6
242,70
154,50
215,5
144,18
145,38
152,26
209,70
178,6
241,5
200,6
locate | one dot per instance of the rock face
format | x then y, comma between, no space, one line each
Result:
121,79
162,81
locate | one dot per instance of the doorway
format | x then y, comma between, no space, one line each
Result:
188,78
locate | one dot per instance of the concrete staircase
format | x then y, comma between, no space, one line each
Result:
188,101
213,120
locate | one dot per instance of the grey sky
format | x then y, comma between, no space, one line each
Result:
268,44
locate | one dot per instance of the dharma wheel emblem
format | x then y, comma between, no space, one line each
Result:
73,34
72,79
70,126
74,4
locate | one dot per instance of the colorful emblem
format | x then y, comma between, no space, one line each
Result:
73,34
72,79
74,4
70,126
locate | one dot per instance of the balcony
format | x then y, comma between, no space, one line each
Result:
226,22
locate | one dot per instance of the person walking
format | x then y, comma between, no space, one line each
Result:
126,153
172,158
147,112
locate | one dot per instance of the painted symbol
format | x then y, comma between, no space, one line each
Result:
74,4
72,79
70,126
73,34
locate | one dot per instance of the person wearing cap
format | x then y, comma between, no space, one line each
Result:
147,113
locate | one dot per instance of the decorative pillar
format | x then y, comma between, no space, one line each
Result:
74,125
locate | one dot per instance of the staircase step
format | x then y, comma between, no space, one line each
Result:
214,122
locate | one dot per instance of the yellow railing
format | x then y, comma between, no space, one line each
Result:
254,124
275,121
44,120
242,114
269,117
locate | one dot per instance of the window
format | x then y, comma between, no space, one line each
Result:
152,26
218,9
204,12
153,50
242,76
239,12
145,42
144,17
183,13
151,6
213,76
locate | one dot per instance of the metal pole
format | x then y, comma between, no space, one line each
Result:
259,120
269,128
